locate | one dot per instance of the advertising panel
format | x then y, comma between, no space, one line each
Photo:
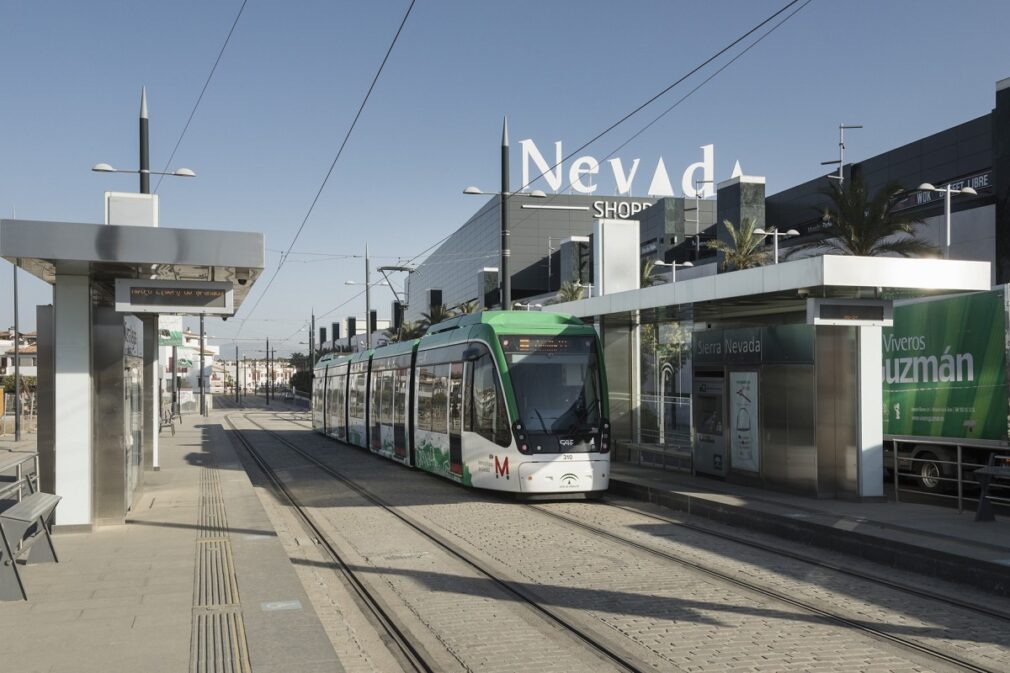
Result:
945,369
743,417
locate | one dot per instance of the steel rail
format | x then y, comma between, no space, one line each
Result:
413,654
505,585
890,584
871,631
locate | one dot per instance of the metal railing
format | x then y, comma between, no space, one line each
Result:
962,471
22,479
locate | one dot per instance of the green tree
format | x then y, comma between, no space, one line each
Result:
435,315
467,307
864,225
27,383
745,249
301,362
302,381
648,268
570,291
408,330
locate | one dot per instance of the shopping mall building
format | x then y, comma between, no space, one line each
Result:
651,335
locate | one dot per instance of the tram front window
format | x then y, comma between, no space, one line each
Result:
556,380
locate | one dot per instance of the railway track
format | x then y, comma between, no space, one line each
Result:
911,645
410,654
410,651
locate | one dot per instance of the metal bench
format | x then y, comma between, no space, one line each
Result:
167,419
22,525
998,468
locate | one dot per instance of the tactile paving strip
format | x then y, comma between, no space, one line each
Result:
218,641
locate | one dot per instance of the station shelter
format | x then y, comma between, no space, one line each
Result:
98,343
767,376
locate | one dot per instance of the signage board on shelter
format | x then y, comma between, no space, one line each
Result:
174,296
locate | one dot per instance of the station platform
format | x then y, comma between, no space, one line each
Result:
198,579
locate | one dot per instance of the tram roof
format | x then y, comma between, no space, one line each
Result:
506,320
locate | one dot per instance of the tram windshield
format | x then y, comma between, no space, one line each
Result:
556,380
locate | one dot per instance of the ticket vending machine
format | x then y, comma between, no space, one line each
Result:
709,404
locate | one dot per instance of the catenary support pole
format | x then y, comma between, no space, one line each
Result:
506,252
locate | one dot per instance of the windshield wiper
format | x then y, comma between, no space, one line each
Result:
542,424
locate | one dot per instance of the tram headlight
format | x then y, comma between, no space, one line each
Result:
605,436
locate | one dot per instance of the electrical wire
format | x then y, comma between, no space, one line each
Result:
200,97
347,136
658,95
616,124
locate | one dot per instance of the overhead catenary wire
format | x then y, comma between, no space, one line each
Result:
644,128
683,98
624,119
347,136
659,95
200,97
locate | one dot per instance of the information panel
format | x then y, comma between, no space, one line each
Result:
174,296
743,409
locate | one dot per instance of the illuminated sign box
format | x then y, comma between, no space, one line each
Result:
859,312
174,296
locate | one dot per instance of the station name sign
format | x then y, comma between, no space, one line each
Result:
174,296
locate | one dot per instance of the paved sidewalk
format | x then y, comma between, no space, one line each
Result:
197,580
928,539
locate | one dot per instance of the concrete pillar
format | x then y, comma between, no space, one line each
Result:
73,400
870,433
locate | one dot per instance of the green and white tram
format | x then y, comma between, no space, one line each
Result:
508,401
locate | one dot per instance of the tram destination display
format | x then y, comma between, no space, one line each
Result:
178,297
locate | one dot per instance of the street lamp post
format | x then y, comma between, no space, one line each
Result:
505,280
947,191
841,153
673,268
368,300
776,234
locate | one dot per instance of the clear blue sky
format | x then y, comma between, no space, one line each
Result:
295,73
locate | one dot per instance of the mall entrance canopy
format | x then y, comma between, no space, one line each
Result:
769,376
98,343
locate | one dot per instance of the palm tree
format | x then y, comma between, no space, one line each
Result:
648,280
747,248
467,307
435,315
867,226
570,291
408,330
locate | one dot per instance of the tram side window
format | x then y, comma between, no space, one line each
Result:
332,399
338,397
358,395
425,381
489,417
440,400
401,380
351,393
387,397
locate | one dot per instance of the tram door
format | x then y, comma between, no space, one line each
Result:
456,418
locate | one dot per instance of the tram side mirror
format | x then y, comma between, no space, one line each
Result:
471,354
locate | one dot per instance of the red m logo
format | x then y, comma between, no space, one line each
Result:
501,469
